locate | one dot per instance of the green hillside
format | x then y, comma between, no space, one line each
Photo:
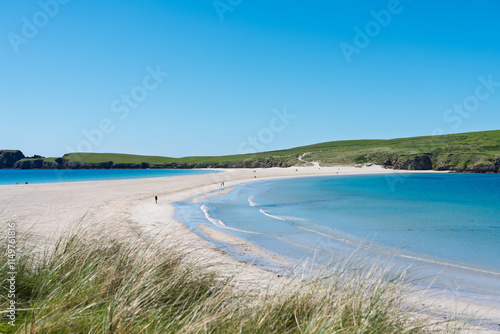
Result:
467,152
93,158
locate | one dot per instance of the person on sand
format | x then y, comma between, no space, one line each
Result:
156,199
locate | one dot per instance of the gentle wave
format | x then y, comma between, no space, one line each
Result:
220,223
283,218
216,222
251,201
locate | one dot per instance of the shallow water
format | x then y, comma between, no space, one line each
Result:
11,176
446,224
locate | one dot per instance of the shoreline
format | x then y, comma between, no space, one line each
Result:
59,174
445,302
126,208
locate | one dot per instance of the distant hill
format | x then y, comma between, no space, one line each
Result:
466,152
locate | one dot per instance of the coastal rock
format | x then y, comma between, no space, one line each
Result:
81,165
442,166
36,164
468,163
482,168
60,161
74,165
104,165
9,158
387,163
25,164
126,166
413,162
497,165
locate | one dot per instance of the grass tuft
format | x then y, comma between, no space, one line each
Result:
92,285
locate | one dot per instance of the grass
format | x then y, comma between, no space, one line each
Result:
456,151
190,162
469,152
45,159
97,285
117,158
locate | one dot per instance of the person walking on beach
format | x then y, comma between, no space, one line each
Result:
156,199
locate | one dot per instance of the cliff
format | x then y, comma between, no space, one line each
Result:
8,158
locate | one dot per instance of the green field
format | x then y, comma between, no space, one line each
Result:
466,151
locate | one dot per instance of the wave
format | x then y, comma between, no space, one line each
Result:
216,222
221,224
251,201
283,218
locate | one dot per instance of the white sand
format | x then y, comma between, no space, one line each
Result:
126,209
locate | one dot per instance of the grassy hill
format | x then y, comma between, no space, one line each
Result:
470,152
467,151
456,151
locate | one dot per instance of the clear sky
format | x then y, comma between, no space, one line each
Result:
204,77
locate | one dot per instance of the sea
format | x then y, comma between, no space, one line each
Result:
443,228
20,176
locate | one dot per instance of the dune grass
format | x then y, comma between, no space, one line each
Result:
97,285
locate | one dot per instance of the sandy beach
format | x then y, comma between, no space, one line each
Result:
126,209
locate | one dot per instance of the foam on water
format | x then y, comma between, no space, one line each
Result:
251,199
283,218
220,223
216,222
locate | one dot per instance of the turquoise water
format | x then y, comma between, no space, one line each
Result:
11,176
440,223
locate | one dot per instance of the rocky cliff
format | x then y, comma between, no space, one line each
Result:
9,158
409,162
455,162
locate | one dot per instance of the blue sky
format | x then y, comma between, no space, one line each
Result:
179,78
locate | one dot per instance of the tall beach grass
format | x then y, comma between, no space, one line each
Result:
97,285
